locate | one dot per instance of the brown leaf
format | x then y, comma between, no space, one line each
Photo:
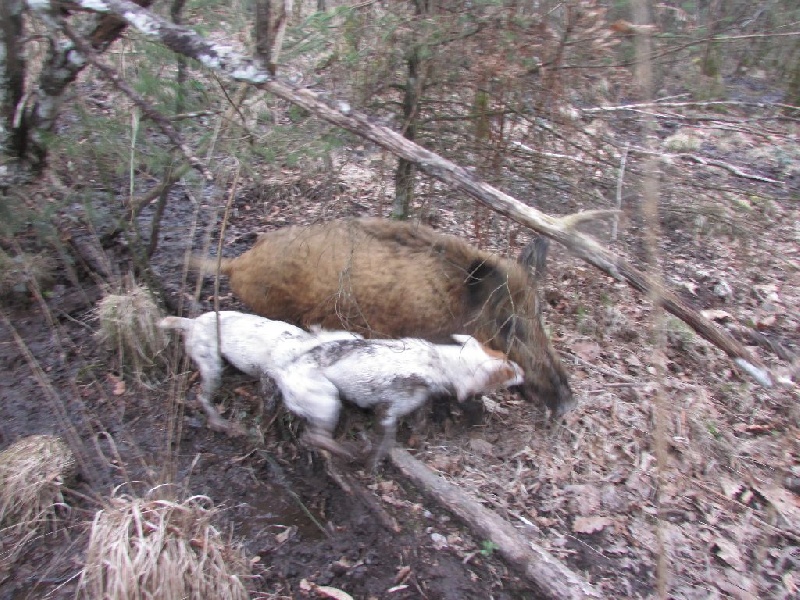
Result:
481,446
633,360
285,534
331,592
402,574
789,583
588,351
715,314
585,499
785,503
728,552
590,524
119,384
730,488
766,321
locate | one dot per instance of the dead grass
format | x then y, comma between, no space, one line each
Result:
19,273
32,473
128,325
143,548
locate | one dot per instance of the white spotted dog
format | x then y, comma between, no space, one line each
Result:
255,345
398,374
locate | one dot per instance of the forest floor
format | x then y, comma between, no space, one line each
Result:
724,509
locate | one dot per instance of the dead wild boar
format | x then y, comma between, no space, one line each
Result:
383,278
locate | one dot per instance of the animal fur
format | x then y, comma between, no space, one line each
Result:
398,374
384,278
253,344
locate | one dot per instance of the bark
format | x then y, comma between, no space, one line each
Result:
12,77
404,176
62,66
562,229
176,14
551,577
272,17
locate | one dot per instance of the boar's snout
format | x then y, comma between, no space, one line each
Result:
557,395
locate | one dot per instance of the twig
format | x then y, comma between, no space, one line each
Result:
353,488
601,369
708,162
723,165
555,155
620,178
641,105
280,478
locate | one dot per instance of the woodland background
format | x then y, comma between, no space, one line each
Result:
677,476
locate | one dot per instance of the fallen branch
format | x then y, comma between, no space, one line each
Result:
221,58
552,578
355,490
727,166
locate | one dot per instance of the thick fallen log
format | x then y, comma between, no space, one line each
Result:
550,577
223,59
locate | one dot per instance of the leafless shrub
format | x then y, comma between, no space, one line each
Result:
19,273
129,326
144,548
32,473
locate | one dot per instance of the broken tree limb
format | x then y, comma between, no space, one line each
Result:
223,59
551,577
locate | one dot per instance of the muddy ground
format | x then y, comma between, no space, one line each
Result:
584,488
276,497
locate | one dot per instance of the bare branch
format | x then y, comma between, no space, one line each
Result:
645,105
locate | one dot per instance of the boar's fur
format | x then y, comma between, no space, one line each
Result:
382,278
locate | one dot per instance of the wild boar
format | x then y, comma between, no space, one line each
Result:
383,278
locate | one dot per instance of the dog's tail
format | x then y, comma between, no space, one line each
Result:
207,265
176,323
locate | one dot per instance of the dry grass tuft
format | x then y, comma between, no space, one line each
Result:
18,274
141,548
129,325
32,473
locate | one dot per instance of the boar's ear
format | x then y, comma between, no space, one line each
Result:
479,271
483,281
461,338
534,256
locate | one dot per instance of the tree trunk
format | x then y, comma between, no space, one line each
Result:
12,78
271,19
404,176
24,134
